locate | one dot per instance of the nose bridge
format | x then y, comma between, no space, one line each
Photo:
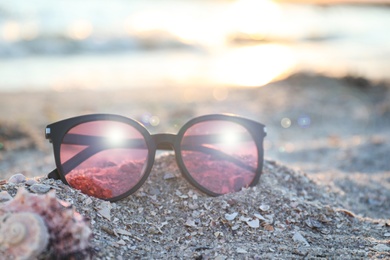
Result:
164,141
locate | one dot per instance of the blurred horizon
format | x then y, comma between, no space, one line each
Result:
366,2
96,44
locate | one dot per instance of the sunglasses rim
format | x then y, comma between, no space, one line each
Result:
55,133
250,125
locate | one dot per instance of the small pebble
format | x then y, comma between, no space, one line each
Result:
381,248
169,175
4,196
88,201
241,251
190,223
153,230
121,242
17,178
31,182
123,232
39,188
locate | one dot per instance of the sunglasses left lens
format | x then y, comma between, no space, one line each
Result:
104,159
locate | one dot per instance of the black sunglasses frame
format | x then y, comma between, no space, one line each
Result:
56,132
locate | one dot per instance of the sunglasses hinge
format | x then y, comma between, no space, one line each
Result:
47,133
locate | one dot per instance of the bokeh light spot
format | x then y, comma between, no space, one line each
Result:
80,30
220,94
304,121
154,121
11,31
285,122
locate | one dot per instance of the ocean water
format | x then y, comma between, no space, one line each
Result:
98,44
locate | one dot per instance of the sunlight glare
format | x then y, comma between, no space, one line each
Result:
254,16
230,138
204,30
253,66
115,136
196,26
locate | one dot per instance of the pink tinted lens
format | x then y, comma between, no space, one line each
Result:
104,159
221,156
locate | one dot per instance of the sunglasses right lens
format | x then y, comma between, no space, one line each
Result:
103,159
220,156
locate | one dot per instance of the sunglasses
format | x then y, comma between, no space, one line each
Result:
110,156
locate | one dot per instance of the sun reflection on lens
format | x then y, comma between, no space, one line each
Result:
230,138
115,136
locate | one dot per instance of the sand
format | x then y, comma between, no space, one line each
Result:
325,191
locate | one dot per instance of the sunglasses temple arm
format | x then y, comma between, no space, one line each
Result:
90,151
134,143
218,153
87,153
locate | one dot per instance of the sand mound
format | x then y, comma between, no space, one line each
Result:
285,216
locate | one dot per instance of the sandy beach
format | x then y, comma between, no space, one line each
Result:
315,73
325,191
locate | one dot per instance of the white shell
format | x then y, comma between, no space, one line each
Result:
23,235
43,219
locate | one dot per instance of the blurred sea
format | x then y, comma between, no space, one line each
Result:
98,44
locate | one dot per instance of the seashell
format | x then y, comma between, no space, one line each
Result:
260,217
299,238
23,235
69,233
253,223
104,209
235,227
269,227
231,217
264,207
